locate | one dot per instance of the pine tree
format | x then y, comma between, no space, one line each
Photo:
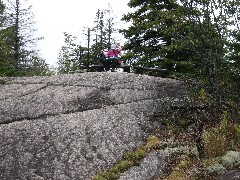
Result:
69,55
157,34
21,33
102,33
6,51
99,37
38,67
199,37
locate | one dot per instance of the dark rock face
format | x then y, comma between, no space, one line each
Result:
73,126
230,175
148,167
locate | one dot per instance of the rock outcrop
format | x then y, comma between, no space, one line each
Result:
73,126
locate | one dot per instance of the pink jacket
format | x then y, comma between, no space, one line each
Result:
113,53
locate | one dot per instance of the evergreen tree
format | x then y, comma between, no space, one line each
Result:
39,67
99,42
110,26
99,37
6,51
71,55
157,36
193,35
100,34
215,38
104,30
201,38
20,36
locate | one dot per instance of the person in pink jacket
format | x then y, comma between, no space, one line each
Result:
113,54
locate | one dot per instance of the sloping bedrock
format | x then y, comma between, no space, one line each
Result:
73,126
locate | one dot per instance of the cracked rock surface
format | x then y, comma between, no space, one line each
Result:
73,126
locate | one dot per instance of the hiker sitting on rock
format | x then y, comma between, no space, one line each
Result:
113,54
103,60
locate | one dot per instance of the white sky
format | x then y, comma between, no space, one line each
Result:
53,17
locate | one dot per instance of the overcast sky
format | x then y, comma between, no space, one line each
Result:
53,17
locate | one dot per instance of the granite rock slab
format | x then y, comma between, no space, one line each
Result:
72,126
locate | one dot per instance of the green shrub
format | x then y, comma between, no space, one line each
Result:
220,139
215,143
123,165
215,169
231,159
135,156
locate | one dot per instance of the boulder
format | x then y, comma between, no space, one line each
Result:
73,126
